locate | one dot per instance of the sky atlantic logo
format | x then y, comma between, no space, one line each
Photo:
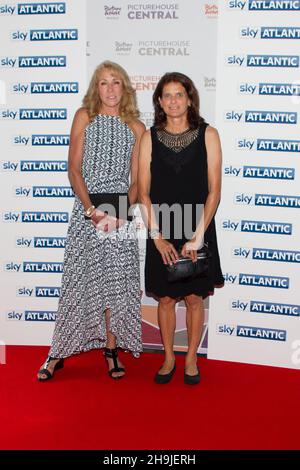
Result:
54,87
273,5
50,8
262,307
164,48
280,32
261,333
52,191
277,200
275,145
45,35
42,267
42,61
49,139
53,34
39,315
41,140
38,291
273,200
256,60
274,89
270,32
44,217
30,315
153,11
254,332
266,117
261,172
266,254
269,145
283,61
34,113
51,292
271,117
257,280
49,242
44,88
43,191
34,267
257,226
43,165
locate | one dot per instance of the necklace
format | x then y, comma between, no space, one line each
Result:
176,133
179,141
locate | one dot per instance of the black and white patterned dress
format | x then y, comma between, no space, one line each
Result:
100,271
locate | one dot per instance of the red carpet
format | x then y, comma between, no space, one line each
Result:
236,406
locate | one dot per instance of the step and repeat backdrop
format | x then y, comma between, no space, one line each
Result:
51,52
255,318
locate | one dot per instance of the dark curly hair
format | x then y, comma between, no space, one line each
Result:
193,116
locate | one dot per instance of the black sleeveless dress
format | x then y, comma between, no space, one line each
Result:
179,176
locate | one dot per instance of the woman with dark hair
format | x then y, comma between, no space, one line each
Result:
99,305
179,167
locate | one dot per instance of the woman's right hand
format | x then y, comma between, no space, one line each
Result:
97,217
167,250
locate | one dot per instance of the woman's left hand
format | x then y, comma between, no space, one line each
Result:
190,248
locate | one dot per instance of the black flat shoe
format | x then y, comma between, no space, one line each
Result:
164,378
192,379
46,372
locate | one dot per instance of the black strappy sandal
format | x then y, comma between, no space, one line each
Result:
113,354
46,372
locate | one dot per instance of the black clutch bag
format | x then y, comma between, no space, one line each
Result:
185,268
114,204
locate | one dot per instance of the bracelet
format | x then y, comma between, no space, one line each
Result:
154,233
89,212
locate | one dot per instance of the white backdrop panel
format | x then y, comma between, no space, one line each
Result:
255,318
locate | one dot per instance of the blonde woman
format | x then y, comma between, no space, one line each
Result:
99,305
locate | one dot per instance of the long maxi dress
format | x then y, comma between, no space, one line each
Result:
101,271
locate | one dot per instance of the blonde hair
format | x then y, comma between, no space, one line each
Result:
128,106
